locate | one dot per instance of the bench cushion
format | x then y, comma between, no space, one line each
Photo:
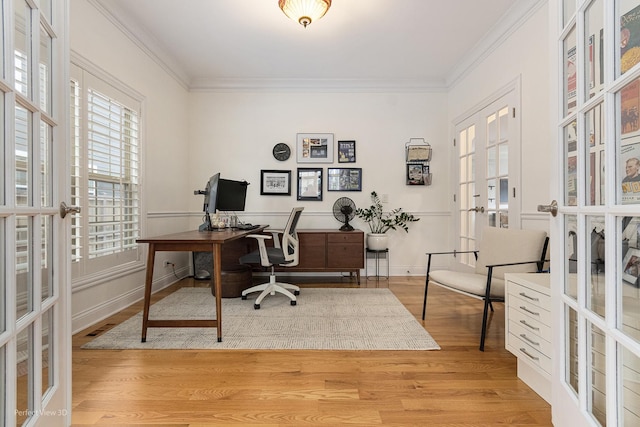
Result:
503,245
470,283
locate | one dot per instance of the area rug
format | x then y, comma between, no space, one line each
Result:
323,319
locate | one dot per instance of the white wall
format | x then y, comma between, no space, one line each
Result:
165,152
525,55
234,133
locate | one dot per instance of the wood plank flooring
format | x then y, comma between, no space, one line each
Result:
456,386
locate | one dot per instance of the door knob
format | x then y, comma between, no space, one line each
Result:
64,209
477,209
552,208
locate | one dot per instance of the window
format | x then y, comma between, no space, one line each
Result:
105,180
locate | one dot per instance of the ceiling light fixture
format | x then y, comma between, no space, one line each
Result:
304,11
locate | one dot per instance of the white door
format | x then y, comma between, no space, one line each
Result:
35,350
487,161
596,235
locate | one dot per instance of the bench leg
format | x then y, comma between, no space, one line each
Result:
426,288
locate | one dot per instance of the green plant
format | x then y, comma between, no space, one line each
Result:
380,222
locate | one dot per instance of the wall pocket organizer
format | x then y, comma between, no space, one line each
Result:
418,156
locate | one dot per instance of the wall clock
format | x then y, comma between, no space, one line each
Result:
281,151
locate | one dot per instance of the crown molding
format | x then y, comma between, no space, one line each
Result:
509,23
143,40
315,85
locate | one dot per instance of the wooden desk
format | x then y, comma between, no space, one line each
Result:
212,241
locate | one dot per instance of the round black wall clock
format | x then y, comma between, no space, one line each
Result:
281,151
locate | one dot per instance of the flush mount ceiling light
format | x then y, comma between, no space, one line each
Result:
304,11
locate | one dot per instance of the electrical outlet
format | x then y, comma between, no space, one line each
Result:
168,264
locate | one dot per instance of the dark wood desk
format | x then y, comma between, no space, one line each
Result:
212,241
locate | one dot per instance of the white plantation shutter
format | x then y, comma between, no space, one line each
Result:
113,212
105,174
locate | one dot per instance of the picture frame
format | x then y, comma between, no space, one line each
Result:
344,179
310,184
314,148
275,182
346,151
631,266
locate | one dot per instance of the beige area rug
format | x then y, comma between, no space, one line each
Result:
323,319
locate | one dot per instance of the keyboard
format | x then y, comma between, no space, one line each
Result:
247,226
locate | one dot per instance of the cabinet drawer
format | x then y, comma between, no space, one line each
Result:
345,237
527,335
534,326
345,255
528,354
526,307
533,297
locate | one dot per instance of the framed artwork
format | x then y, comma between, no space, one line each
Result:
346,151
275,182
310,184
631,266
314,148
344,179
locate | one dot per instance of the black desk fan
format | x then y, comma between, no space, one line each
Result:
344,210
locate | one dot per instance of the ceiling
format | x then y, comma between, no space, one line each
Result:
383,43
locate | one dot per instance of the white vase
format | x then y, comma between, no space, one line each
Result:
377,242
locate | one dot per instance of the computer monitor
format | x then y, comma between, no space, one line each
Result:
231,195
221,195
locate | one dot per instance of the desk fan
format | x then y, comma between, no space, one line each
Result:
344,210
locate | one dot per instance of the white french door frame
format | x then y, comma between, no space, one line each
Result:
508,96
35,338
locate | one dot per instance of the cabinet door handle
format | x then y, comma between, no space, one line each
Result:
524,322
529,355
523,308
529,340
522,294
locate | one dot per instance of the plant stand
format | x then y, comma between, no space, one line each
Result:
376,255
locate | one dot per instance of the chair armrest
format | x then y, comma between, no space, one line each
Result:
450,253
540,264
275,233
262,248
454,253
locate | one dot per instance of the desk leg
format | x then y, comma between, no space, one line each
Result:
217,284
147,290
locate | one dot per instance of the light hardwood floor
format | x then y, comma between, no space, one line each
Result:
456,386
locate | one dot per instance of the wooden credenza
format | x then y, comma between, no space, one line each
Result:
324,250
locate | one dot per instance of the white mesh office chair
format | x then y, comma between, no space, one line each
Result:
283,253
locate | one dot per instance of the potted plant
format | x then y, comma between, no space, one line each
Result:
380,222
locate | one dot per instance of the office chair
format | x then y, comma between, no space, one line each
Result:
283,253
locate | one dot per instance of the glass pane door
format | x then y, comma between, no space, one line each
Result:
34,344
597,262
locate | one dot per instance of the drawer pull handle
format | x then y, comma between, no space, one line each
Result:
524,322
529,355
522,294
523,308
529,340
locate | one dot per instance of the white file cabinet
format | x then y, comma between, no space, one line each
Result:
528,328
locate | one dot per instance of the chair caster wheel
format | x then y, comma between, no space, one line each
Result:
293,302
296,292
256,306
244,297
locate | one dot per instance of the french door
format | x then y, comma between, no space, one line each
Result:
34,316
487,161
596,233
